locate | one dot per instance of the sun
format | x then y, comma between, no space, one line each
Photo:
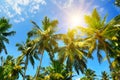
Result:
76,20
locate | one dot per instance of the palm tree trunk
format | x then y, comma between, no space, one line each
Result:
24,74
26,63
69,66
71,71
51,56
39,67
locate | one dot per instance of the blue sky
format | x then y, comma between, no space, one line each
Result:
20,12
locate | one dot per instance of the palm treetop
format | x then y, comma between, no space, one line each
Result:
98,35
4,33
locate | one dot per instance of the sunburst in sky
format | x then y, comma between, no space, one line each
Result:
74,11
69,13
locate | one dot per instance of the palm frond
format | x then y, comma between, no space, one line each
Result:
96,15
4,39
32,61
46,23
4,25
3,47
9,33
54,23
79,64
91,49
35,25
20,46
19,59
100,58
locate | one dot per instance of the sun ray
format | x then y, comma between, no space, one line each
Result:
75,20
74,14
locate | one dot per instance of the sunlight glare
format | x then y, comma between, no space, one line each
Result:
76,20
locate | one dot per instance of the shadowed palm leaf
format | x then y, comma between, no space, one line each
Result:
105,76
4,33
89,75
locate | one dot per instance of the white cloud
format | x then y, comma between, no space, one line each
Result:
10,2
16,21
19,8
19,20
40,1
63,3
34,9
24,2
9,14
68,3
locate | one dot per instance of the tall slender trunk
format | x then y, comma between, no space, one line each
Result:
26,63
24,74
51,56
69,68
71,71
39,67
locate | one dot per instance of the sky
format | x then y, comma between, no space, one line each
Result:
20,12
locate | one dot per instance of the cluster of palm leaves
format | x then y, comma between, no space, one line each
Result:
117,3
99,37
91,75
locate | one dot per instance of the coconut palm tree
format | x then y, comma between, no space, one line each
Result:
28,54
116,65
115,43
72,53
56,71
44,38
89,75
117,3
11,69
115,74
105,76
98,34
4,33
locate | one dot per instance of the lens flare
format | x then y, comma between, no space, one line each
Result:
76,20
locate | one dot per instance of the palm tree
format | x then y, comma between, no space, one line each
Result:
105,76
116,65
44,38
115,74
11,69
56,71
115,43
98,35
89,75
117,3
72,53
4,33
27,53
